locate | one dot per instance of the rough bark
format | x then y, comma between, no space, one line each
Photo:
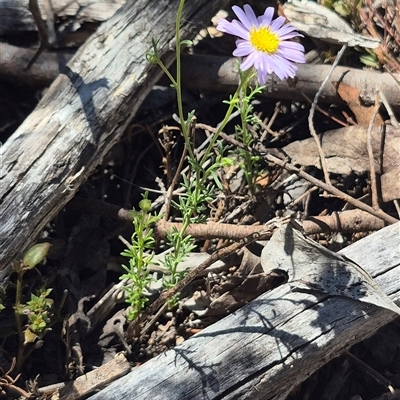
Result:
205,72
220,73
44,71
272,344
84,113
16,18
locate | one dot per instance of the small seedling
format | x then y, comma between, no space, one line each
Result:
35,317
137,272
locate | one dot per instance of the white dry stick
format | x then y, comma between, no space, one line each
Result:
70,181
397,206
374,187
312,112
389,110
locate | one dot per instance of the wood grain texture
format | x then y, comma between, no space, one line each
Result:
215,73
272,344
16,18
84,113
210,72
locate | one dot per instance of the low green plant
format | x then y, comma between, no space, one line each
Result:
249,164
39,311
202,183
268,50
35,317
140,256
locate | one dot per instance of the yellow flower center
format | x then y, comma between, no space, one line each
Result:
264,40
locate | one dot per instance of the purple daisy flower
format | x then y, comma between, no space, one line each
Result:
264,43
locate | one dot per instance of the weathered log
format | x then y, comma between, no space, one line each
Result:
14,61
220,73
272,344
204,72
16,18
83,114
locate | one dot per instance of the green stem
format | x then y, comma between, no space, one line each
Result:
201,174
166,72
18,322
232,104
246,139
184,124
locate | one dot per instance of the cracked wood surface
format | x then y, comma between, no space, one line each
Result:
83,114
211,72
272,344
15,16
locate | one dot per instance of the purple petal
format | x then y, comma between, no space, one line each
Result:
267,17
248,62
234,28
291,46
242,17
262,77
276,67
291,53
243,48
284,67
223,25
286,29
240,30
264,66
277,23
251,17
288,36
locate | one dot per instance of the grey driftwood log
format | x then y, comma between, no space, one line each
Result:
15,16
208,72
205,72
83,114
265,349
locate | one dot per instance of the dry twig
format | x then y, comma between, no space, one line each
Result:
374,185
263,234
349,221
312,112
47,35
325,186
331,189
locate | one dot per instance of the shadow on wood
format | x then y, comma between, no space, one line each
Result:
272,344
83,114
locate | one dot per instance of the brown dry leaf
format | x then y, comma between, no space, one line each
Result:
250,288
237,290
390,184
363,113
345,151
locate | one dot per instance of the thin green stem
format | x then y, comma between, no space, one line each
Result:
166,72
184,124
246,139
190,204
18,321
232,104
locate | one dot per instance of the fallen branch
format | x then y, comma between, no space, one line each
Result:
83,114
216,73
331,189
16,18
271,345
266,153
220,73
349,221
